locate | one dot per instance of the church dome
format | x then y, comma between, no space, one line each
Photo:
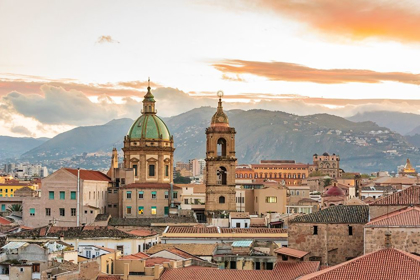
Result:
334,191
149,126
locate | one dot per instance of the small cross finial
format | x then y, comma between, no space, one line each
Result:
148,82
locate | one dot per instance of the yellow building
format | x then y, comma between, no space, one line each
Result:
408,169
8,190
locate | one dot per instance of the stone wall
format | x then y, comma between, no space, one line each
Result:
406,239
332,245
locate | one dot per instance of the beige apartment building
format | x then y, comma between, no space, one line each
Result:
58,201
145,200
269,199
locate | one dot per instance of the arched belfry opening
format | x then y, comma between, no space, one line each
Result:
222,176
221,147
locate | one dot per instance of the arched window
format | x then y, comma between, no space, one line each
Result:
221,199
222,176
221,147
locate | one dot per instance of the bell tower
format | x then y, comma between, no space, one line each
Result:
220,164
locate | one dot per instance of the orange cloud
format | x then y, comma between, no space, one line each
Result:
25,86
282,71
106,39
360,19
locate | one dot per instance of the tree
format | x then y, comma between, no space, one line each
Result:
15,208
316,174
180,179
327,182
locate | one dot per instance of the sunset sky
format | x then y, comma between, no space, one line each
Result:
70,63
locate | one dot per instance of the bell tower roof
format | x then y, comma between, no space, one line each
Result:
220,118
149,101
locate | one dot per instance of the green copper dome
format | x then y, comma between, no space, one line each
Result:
149,126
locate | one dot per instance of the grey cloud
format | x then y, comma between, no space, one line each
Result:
21,130
59,106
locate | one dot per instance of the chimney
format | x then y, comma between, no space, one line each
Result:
156,271
387,239
126,271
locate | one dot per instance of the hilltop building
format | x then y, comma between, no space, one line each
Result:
220,164
408,169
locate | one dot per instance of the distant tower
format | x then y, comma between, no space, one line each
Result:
220,164
149,146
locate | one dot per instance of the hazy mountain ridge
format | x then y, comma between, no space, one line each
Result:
11,147
403,123
363,146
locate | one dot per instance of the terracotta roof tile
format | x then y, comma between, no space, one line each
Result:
409,216
291,252
71,232
282,271
90,175
193,249
4,221
156,260
340,214
142,232
192,230
409,196
386,264
137,256
253,230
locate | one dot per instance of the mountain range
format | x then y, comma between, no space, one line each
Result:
364,146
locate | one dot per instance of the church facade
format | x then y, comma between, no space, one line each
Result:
148,151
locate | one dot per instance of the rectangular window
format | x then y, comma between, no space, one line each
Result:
3,207
135,169
166,210
47,211
36,267
315,230
62,212
153,195
151,170
141,195
185,200
271,199
32,211
166,195
141,210
51,195
128,195
62,195
128,211
154,211
73,212
350,230
238,225
121,248
166,170
232,264
73,195
175,195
